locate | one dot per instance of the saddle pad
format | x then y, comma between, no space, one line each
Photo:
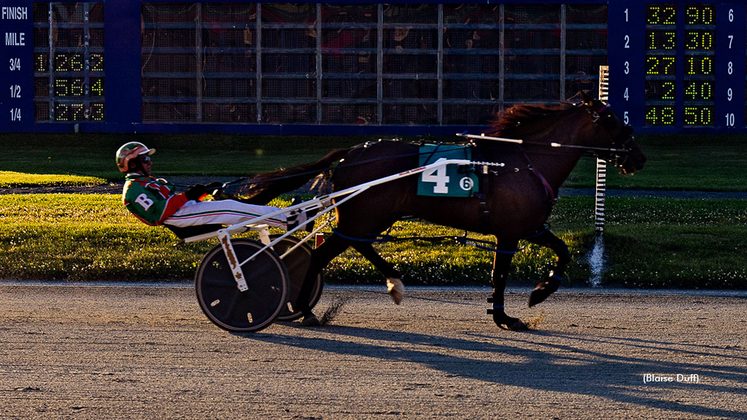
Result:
449,180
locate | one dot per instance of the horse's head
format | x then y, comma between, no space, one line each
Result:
616,136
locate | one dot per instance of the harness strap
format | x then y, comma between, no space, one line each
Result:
483,206
546,184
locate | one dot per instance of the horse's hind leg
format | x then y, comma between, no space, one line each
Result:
501,266
549,286
320,257
393,278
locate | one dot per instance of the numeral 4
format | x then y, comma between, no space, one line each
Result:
439,177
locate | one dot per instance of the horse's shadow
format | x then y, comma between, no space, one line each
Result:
605,375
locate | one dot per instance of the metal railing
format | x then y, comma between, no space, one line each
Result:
374,64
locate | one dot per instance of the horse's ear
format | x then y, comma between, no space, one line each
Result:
587,99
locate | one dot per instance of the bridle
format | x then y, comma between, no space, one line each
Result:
621,146
617,154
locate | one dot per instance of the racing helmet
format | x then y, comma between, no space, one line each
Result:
131,150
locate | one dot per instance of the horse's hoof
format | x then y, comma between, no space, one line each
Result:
543,290
396,289
518,325
311,321
507,323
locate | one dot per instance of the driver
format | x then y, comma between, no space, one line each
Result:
155,202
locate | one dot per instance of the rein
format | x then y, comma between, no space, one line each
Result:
553,145
341,165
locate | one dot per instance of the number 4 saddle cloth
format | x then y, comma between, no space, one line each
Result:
449,180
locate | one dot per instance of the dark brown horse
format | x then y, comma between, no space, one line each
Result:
513,204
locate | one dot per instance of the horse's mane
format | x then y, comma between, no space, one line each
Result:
514,119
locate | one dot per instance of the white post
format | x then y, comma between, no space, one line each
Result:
604,83
597,257
601,190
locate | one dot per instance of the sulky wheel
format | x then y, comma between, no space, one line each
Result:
227,306
297,263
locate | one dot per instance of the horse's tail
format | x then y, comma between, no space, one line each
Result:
261,188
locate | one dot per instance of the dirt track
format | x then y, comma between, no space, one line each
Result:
133,352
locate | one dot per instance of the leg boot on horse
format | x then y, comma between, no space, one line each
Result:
501,266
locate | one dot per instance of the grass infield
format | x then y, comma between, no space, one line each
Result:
16,179
649,243
713,163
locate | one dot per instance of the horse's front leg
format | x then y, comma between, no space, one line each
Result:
501,265
546,288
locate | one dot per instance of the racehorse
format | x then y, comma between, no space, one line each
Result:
514,203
